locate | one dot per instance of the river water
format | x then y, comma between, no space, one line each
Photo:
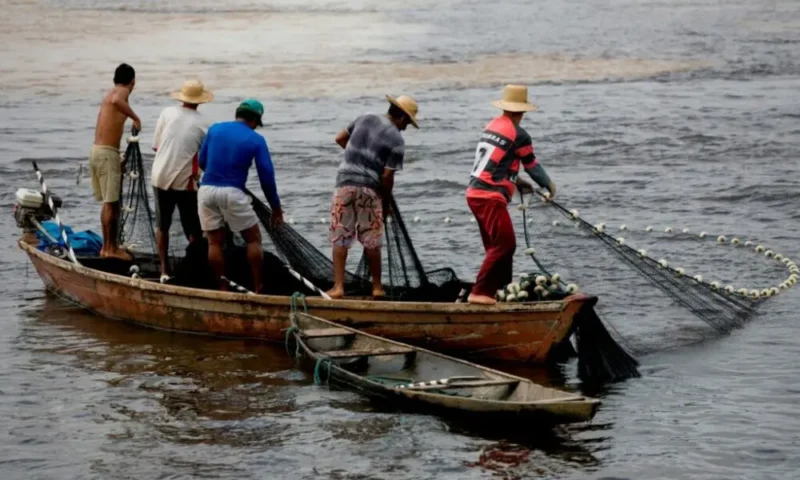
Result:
664,113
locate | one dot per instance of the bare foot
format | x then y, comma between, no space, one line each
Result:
481,300
118,253
335,293
378,293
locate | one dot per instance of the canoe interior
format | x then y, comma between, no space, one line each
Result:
366,359
192,270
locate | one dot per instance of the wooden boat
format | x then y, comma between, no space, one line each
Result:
421,379
519,332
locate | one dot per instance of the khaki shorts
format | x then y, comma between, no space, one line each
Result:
220,205
105,166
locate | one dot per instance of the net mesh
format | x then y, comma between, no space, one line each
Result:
136,220
404,277
720,309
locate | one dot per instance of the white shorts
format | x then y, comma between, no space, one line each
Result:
220,205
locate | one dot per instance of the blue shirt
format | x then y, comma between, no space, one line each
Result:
227,153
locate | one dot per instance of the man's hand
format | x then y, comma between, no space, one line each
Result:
342,138
137,125
524,186
552,190
276,219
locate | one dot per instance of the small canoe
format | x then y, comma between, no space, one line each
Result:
420,379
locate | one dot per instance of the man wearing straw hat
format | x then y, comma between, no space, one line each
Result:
503,146
373,151
180,131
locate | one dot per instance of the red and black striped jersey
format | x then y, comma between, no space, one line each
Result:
502,148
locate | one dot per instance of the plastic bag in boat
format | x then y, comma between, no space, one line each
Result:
86,243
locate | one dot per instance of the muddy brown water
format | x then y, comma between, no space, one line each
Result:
663,113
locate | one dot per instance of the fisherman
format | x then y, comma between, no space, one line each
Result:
180,131
226,155
373,151
503,146
105,162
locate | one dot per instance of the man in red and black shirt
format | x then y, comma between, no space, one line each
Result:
503,146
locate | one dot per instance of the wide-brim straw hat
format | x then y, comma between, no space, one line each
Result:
193,92
406,104
515,99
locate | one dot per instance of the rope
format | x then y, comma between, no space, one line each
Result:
546,272
293,302
289,332
527,237
322,362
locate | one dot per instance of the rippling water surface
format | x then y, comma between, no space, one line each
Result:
663,113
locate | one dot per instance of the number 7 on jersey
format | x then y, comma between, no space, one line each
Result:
482,156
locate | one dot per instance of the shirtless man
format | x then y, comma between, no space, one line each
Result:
105,162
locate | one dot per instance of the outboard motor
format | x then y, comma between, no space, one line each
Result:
30,210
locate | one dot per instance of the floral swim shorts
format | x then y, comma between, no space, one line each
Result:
356,212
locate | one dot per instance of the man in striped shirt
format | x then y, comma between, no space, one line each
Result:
503,146
373,151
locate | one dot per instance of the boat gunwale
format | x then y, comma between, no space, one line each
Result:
568,396
271,300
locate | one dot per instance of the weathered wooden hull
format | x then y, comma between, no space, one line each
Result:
383,370
507,332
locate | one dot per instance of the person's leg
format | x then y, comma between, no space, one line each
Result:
370,228
106,222
339,263
216,258
255,255
238,213
494,233
110,170
505,242
341,234
213,224
96,171
165,206
190,221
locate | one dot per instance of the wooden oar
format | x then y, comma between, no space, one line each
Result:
236,286
308,283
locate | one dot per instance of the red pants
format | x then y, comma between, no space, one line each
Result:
499,241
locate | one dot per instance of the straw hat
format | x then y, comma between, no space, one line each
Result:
406,104
515,99
193,92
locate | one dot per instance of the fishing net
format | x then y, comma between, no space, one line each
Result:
135,229
722,310
718,297
404,277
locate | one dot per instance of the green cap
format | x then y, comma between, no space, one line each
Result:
252,105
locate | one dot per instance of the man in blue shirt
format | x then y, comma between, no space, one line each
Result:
226,156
